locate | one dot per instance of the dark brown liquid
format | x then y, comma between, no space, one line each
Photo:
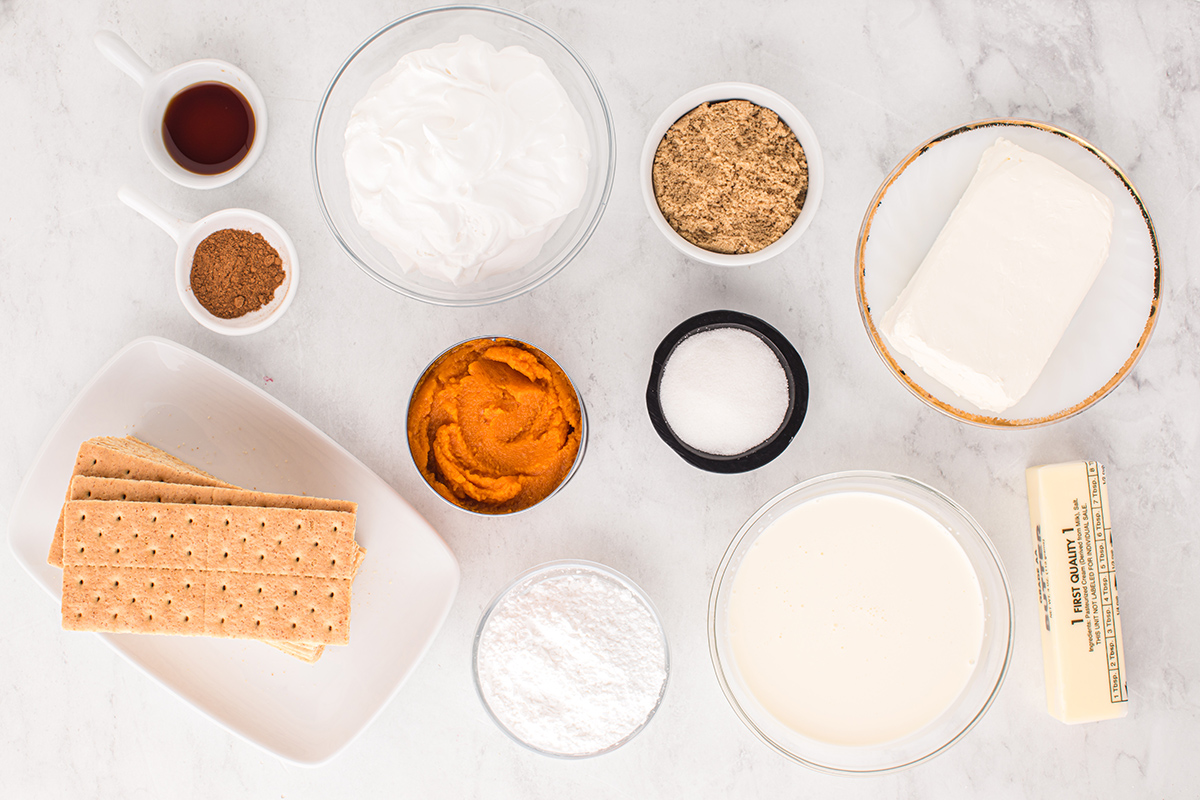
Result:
208,128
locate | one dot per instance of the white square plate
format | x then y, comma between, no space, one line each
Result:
201,412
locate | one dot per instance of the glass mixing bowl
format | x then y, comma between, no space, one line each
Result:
422,30
957,718
548,571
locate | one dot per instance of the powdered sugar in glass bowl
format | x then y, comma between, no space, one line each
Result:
570,660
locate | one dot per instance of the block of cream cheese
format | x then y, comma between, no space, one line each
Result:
1077,592
999,287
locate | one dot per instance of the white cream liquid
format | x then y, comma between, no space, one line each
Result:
855,619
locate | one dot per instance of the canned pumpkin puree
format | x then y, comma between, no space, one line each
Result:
495,426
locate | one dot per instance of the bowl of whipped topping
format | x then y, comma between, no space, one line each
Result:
463,155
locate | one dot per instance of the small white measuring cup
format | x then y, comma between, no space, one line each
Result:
157,90
189,235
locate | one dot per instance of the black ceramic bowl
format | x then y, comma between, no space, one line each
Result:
789,359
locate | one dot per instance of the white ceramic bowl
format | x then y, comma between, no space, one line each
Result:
422,30
188,237
157,90
732,90
958,718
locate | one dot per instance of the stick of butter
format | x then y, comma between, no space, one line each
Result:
999,287
1077,589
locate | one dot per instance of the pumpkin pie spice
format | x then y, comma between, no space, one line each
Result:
235,272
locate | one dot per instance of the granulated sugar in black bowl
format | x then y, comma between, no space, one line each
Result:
727,391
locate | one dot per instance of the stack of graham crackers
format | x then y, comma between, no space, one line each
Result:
150,544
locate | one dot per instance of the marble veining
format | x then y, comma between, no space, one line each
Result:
81,275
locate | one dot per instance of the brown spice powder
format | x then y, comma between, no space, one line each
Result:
235,272
730,177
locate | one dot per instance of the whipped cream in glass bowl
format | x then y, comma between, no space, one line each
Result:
464,159
463,155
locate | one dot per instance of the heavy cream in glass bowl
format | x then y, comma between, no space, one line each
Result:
860,622
463,155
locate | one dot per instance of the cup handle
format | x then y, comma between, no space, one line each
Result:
174,226
115,49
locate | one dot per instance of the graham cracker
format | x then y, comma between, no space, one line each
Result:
305,652
278,607
312,652
302,612
267,573
93,488
114,457
129,469
132,600
85,487
136,448
101,533
277,541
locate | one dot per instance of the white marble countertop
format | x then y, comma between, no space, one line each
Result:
81,276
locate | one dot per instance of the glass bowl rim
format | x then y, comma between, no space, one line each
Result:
565,258
957,409
835,478
563,566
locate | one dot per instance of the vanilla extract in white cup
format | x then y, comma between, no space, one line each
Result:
202,123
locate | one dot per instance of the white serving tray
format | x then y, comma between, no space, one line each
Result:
201,412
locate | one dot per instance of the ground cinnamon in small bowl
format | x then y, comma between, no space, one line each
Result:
235,272
730,177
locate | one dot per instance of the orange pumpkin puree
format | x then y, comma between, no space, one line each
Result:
494,426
